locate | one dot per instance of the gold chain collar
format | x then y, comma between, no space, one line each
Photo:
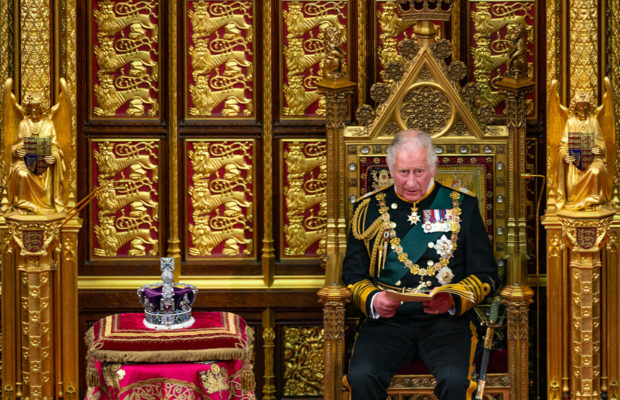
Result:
389,235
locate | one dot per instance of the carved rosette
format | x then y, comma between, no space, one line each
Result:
304,214
493,47
303,361
303,27
126,212
422,101
220,209
220,59
125,73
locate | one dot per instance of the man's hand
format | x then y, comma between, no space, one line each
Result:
439,304
569,159
385,307
21,152
597,150
50,160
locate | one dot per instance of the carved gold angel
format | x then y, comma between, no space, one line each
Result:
35,148
581,148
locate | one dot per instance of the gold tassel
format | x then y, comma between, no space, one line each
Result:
247,377
92,377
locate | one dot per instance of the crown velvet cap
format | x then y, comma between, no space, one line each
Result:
167,305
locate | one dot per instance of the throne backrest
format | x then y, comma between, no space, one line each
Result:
424,93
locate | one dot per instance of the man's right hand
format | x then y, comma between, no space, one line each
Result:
21,152
385,307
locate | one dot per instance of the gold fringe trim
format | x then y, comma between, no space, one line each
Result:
162,356
165,356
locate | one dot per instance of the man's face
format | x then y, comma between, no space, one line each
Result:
411,173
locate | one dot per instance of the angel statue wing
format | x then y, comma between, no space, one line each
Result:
61,114
11,117
605,115
557,116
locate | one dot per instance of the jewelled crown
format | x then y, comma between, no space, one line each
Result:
167,305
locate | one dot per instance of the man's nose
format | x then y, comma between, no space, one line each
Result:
411,180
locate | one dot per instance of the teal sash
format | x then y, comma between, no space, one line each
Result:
415,242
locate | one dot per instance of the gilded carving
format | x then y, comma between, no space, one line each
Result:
35,47
502,34
221,199
22,228
426,107
613,51
305,188
391,28
221,55
127,70
582,148
126,210
69,70
35,147
303,361
304,51
583,47
268,251
5,42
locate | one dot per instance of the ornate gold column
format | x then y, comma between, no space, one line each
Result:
269,344
610,363
517,296
336,86
585,232
33,259
268,258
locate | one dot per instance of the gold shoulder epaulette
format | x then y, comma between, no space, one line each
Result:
463,190
374,192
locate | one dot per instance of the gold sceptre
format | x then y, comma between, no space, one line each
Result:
83,203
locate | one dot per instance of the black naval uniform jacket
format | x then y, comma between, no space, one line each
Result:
366,264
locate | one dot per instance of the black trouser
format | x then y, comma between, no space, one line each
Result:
445,344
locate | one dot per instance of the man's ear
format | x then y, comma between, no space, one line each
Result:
435,167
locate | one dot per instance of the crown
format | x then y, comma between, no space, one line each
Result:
167,305
425,10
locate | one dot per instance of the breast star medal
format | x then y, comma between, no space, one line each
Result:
414,217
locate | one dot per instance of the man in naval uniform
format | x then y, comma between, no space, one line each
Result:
411,236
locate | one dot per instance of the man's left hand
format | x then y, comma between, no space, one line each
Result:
439,304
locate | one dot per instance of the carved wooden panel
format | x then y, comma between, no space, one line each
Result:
303,360
125,70
219,43
302,26
494,39
125,215
221,213
304,201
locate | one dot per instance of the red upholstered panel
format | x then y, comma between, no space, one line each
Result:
214,336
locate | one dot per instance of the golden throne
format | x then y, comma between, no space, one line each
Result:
422,91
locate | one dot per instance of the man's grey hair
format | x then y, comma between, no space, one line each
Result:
411,138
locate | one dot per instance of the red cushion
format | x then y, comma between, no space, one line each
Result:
214,336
